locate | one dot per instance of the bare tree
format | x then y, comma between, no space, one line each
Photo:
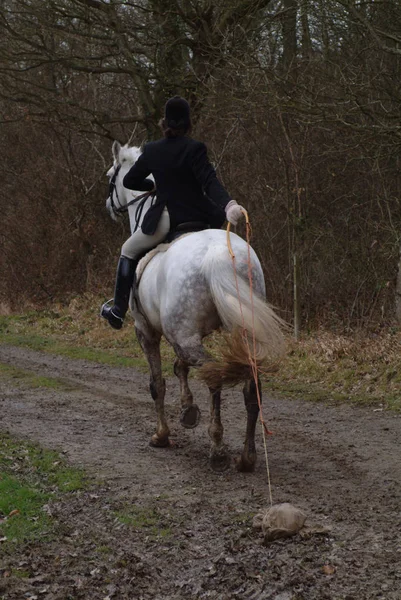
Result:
298,100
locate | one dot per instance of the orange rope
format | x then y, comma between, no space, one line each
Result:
252,358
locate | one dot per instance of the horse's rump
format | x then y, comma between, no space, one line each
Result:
199,266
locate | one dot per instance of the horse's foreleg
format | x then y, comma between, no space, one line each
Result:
248,457
150,344
219,458
190,413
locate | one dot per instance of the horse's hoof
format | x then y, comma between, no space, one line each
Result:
220,461
245,465
157,442
190,416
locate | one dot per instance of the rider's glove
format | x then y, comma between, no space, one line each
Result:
233,212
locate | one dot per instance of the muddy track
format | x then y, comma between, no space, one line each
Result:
342,465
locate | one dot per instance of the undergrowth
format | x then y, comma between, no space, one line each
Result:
363,368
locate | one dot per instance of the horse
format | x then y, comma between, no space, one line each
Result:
188,289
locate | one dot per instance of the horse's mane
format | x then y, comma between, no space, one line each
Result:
129,153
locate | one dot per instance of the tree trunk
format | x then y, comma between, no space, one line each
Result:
398,293
289,33
297,303
306,42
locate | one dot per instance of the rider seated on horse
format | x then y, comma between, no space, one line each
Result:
188,190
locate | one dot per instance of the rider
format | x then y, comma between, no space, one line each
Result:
188,190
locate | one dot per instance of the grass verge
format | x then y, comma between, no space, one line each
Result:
363,368
31,477
77,332
30,379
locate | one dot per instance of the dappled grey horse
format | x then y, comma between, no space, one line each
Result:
186,291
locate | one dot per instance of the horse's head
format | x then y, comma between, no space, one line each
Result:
119,196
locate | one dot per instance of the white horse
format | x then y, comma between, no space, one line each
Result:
186,291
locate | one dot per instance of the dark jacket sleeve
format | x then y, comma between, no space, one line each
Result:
136,178
206,176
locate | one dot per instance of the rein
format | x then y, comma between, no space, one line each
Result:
123,208
139,210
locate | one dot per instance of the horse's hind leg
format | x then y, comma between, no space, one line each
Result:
190,413
195,356
219,458
150,344
248,457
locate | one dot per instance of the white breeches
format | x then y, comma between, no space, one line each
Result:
139,242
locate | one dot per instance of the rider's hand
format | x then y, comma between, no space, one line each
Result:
233,212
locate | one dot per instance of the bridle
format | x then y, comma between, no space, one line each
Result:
123,208
113,189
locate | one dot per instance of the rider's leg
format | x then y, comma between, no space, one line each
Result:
124,279
131,250
139,242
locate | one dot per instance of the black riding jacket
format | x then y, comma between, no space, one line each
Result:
186,183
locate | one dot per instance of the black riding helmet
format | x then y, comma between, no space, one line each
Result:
177,113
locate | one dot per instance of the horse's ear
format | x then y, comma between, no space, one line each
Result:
116,150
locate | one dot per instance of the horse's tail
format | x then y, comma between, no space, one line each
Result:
255,332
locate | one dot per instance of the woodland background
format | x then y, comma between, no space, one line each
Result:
299,102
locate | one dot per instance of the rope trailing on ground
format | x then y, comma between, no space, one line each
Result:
251,352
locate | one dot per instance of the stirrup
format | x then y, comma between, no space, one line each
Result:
107,313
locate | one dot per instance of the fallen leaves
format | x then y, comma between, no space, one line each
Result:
329,569
3,519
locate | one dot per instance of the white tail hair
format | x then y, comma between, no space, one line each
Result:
256,331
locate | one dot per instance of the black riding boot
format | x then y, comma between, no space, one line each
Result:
124,281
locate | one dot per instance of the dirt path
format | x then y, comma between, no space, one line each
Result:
341,465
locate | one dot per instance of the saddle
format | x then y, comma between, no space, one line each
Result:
183,228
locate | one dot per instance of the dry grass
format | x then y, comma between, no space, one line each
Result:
363,368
